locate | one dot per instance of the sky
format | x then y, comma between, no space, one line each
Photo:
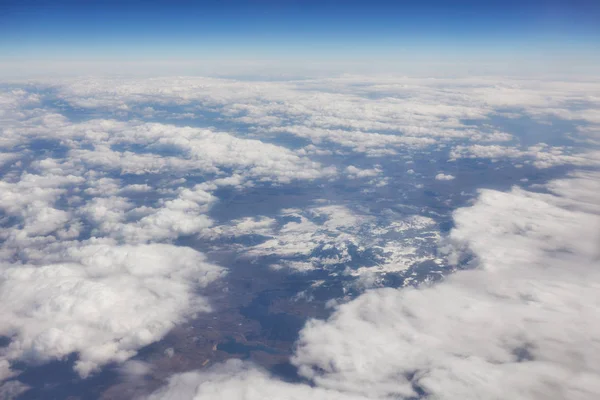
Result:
388,31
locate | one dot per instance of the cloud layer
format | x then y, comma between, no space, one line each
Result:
90,209
522,324
101,177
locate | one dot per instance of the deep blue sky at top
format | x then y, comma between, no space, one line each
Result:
196,29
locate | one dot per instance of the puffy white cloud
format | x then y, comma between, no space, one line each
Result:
541,155
37,221
522,324
354,172
135,369
190,149
444,177
5,371
582,189
183,215
237,380
104,303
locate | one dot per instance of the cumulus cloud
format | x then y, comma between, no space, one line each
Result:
183,215
444,177
540,155
238,380
523,323
354,172
104,304
5,371
194,149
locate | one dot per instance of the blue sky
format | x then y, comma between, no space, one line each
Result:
286,29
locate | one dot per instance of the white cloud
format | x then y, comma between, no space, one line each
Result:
354,172
195,149
540,155
5,371
358,112
183,215
104,303
12,390
582,189
444,177
374,115
135,369
237,380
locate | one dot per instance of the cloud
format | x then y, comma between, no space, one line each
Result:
540,155
377,116
355,173
581,189
522,323
5,371
366,113
235,379
12,389
444,177
104,303
133,369
183,215
160,148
